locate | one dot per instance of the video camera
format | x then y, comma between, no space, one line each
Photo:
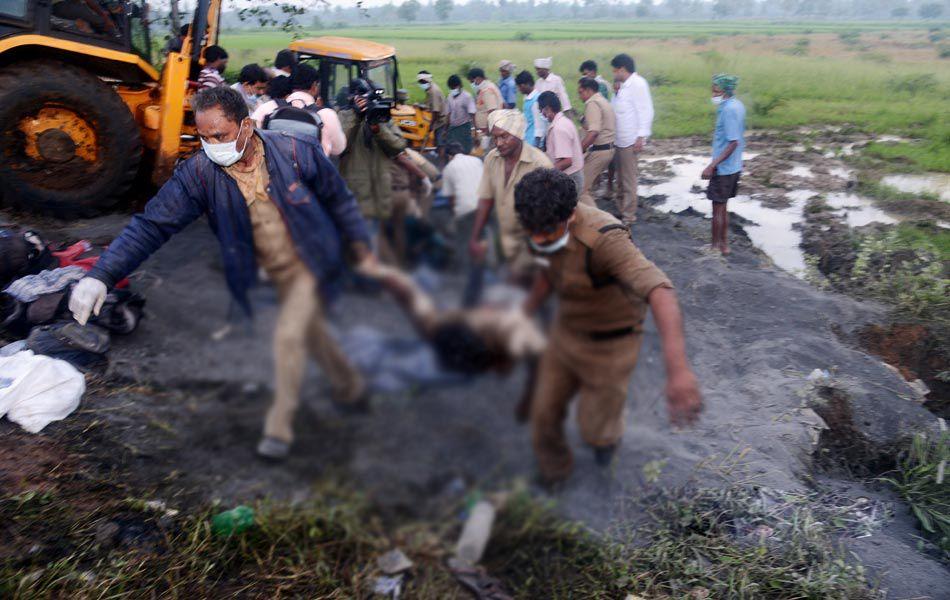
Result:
378,107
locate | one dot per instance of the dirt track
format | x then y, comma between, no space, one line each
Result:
754,334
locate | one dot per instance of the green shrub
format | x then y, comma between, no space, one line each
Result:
915,84
522,36
762,107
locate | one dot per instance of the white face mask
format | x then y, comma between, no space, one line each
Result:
425,85
225,153
456,92
717,100
475,86
553,247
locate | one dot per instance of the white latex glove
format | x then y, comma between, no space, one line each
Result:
426,187
87,298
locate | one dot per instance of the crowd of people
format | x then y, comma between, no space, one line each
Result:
339,189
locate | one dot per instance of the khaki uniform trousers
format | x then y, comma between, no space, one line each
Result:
627,171
595,163
598,372
301,327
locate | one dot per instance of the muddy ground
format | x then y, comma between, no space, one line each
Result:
179,411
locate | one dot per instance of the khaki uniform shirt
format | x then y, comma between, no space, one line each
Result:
599,116
435,102
601,278
273,245
366,167
488,100
494,186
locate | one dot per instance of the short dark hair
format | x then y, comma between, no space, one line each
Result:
460,349
625,61
524,78
455,81
589,83
588,65
476,72
215,53
252,73
228,100
423,72
285,58
279,87
545,198
303,77
453,148
549,99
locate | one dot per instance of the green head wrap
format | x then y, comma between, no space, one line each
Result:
726,82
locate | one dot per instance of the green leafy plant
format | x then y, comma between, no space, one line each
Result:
921,479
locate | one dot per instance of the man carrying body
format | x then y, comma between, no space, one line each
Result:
505,165
506,85
530,107
728,143
588,69
461,108
603,286
273,201
487,98
549,82
563,145
435,103
633,108
598,143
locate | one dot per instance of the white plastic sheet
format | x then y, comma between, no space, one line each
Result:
36,390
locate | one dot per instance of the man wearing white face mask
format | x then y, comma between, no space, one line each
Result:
726,166
274,201
435,103
604,286
487,98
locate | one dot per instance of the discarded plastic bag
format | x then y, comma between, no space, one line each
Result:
232,522
36,390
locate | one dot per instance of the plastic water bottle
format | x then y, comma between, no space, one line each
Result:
234,521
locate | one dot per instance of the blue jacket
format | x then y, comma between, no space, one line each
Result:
319,210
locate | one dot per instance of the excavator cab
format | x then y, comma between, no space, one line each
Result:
339,60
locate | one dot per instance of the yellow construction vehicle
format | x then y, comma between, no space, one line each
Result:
339,60
83,111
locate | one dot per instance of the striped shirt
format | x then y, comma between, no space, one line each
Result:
209,78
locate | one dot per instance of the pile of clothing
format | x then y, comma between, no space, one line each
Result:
41,376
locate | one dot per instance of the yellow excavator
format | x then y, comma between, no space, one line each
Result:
84,114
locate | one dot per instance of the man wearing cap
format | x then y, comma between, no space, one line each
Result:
600,125
509,95
726,166
633,107
549,82
435,103
505,165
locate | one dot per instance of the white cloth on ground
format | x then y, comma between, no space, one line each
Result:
36,390
31,287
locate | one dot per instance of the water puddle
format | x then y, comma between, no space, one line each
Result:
926,183
771,229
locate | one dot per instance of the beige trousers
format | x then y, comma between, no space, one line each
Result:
627,174
595,162
301,326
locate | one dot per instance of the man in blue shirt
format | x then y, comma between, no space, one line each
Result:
726,166
530,109
509,96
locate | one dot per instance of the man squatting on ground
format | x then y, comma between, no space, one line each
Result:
726,167
603,286
272,200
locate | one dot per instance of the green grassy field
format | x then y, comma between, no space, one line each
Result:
886,78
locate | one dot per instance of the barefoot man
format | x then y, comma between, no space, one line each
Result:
724,170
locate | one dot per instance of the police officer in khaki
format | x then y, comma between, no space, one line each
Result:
603,286
600,127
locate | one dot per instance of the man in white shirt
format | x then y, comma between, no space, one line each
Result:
634,111
460,180
549,82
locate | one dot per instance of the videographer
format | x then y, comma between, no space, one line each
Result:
373,142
